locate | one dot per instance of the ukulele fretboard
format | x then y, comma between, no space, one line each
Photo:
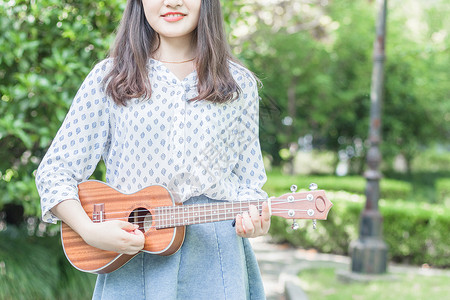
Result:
182,215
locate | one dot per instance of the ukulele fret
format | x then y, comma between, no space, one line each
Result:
211,213
196,214
204,214
190,217
165,217
218,212
173,218
233,211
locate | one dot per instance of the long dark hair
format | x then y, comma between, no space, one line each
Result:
136,41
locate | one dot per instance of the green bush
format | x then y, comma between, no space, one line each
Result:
434,160
390,188
34,267
47,48
443,191
416,233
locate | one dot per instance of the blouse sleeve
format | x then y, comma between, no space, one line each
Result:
250,167
77,147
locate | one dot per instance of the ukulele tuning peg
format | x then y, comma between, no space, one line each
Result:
294,225
293,188
314,224
312,186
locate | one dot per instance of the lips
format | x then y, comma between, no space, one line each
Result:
173,16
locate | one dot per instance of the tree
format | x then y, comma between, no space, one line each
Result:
321,82
47,48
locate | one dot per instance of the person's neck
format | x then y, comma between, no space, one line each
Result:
175,50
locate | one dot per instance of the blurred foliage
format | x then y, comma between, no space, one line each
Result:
432,160
34,267
414,232
47,48
430,166
319,76
443,191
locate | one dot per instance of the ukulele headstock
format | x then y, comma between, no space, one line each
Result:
312,204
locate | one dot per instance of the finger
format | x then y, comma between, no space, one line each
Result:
127,226
248,224
138,232
130,231
254,215
265,217
140,239
240,230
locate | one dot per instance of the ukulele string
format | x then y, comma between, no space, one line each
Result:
259,206
170,221
170,216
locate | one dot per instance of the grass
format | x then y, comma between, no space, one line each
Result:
322,283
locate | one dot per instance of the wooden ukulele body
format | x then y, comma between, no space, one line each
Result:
96,195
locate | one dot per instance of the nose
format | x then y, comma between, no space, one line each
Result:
173,3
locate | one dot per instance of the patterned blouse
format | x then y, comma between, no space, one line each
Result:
190,147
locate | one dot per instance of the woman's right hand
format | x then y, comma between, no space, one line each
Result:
116,236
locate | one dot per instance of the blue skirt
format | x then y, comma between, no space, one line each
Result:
213,263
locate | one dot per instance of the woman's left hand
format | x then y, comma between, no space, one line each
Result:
250,224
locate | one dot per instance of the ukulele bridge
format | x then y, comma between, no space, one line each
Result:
98,215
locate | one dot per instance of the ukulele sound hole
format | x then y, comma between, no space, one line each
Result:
142,217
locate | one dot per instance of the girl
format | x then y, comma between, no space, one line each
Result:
171,107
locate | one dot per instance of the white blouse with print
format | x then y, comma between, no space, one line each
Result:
190,147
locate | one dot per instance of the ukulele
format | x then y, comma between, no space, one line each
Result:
163,221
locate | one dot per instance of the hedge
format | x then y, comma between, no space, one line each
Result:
416,233
443,191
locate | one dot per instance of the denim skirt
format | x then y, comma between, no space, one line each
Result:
212,264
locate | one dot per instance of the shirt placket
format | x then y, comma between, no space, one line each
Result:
179,127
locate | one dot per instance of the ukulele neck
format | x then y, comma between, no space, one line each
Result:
182,215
